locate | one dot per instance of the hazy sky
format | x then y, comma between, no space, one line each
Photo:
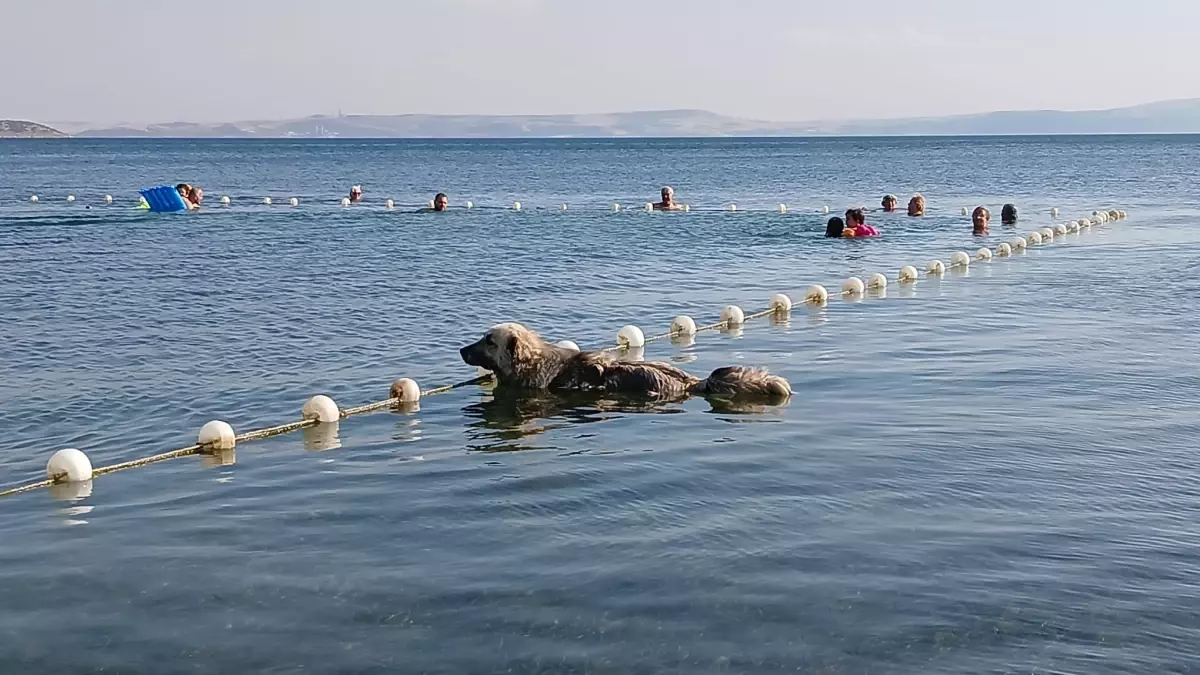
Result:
212,60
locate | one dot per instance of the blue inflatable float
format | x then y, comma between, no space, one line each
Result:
164,199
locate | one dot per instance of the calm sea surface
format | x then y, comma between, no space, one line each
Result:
991,473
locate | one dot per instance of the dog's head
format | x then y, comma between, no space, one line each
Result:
504,349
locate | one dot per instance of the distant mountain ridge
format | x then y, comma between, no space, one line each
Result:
23,129
1166,117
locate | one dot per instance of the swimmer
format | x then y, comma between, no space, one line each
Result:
835,228
441,202
980,218
668,200
916,205
194,197
856,224
356,193
1008,215
889,203
184,190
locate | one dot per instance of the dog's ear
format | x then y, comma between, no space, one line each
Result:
513,344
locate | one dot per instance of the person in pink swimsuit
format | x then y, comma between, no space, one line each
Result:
856,219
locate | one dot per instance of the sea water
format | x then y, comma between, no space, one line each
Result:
991,472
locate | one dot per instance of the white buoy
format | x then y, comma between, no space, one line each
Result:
683,325
405,390
322,409
516,206
853,286
1047,234
878,281
1060,229
70,198
345,202
781,303
616,207
783,208
567,344
1019,244
294,202
33,198
1034,238
908,274
107,199
69,466
225,201
732,316
1123,215
429,204
960,259
1099,216
984,254
1072,227
1084,223
389,204
825,209
267,201
935,268
1054,212
733,207
1004,250
631,337
1114,215
217,435
965,211
687,208
563,207
470,205
816,294
649,207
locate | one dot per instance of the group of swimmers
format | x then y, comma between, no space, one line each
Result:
855,224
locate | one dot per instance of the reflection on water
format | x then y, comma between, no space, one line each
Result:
220,458
71,491
322,437
505,417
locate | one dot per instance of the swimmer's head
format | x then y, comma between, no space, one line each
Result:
916,205
355,193
835,227
889,203
441,202
855,217
1008,215
980,218
195,195
668,194
183,189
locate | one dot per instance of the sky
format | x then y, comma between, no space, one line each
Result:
140,61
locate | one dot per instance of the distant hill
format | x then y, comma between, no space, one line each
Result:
1166,117
21,129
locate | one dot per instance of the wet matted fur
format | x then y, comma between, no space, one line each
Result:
520,358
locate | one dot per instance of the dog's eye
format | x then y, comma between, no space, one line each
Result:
491,341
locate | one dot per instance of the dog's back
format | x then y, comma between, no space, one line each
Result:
743,381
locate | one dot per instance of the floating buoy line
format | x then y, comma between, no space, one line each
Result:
389,204
72,466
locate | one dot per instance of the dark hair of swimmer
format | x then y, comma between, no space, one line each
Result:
1008,215
835,227
183,189
855,217
441,202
